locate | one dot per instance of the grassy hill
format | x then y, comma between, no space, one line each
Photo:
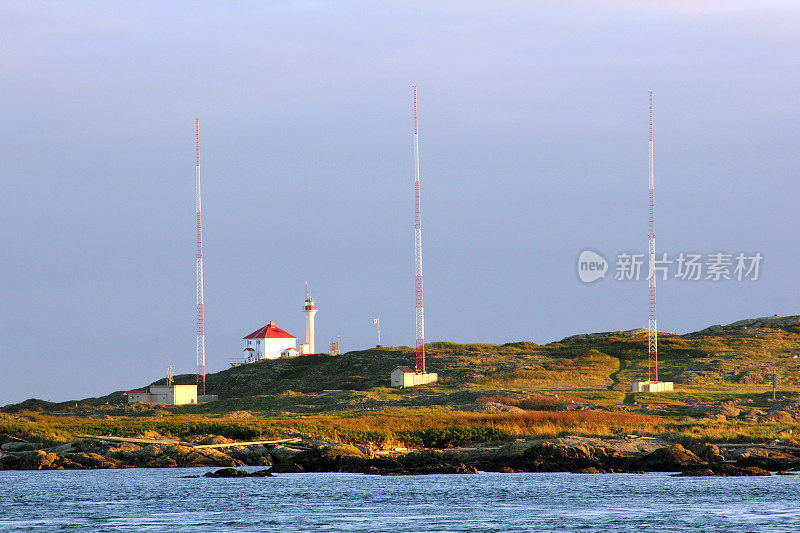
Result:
578,385
737,357
734,356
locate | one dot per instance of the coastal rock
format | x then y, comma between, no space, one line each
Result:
20,446
708,452
472,456
38,460
513,450
283,454
590,470
232,472
214,439
566,454
207,457
724,470
124,452
178,453
67,464
366,450
432,462
9,461
382,466
152,456
333,458
70,447
668,459
251,455
90,460
347,458
147,456
441,468
556,457
767,459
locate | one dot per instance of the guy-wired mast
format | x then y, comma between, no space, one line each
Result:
201,328
420,316
652,331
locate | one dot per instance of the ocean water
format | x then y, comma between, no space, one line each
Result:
155,500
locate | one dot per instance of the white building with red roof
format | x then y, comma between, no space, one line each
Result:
268,343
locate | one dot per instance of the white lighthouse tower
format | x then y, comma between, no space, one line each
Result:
309,309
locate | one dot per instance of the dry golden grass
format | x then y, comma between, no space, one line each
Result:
413,427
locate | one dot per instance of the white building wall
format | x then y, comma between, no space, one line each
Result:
138,397
400,378
269,348
397,376
652,386
289,352
166,395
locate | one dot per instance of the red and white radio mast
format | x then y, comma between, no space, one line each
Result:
652,331
201,327
420,315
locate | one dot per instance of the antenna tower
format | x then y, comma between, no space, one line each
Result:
652,331
420,315
201,326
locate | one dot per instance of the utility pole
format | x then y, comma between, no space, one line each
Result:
774,382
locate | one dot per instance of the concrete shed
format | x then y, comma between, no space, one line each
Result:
167,394
404,376
652,386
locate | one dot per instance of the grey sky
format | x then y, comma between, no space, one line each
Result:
533,145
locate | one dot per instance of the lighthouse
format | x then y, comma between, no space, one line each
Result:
309,309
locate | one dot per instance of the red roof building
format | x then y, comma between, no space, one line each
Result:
270,331
268,342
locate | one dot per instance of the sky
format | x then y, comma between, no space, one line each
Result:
533,148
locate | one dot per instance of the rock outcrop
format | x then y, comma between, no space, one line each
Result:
232,472
627,453
668,459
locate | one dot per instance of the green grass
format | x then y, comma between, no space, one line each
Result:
546,382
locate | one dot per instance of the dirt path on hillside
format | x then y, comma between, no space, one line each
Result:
623,365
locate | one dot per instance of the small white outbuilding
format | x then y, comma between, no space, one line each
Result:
166,394
289,352
404,376
652,386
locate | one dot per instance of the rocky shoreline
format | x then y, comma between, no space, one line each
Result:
568,454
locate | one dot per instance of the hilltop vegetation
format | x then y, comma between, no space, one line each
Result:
578,385
740,356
